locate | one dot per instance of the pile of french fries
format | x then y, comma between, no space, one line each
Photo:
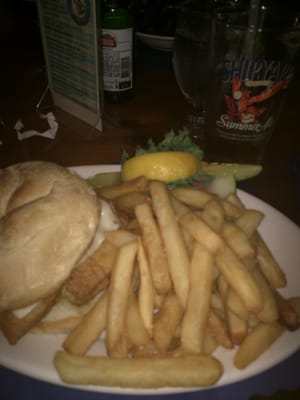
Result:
189,272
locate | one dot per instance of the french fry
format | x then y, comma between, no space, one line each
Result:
190,371
256,342
133,226
295,304
217,302
192,197
287,313
148,350
269,311
250,264
237,240
194,321
235,304
178,206
210,344
146,294
119,237
232,211
202,232
156,255
177,254
113,191
223,287
166,321
217,328
90,327
269,266
239,278
188,240
252,320
118,293
181,209
249,221
233,199
238,328
213,214
128,201
158,300
137,334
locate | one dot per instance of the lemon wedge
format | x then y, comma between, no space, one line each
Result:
166,166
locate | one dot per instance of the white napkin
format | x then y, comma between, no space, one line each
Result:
50,133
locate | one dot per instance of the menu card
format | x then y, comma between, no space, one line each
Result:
72,52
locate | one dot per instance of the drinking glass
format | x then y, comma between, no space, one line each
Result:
256,47
193,60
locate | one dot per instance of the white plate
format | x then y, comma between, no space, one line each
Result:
156,42
33,355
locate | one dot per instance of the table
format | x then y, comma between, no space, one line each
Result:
157,107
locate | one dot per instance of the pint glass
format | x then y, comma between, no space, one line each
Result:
254,65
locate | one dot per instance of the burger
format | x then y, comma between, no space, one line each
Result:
49,219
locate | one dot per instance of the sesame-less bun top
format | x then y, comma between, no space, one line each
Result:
48,218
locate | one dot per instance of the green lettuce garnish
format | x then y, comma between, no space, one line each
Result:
199,180
173,141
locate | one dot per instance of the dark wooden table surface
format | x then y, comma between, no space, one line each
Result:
157,107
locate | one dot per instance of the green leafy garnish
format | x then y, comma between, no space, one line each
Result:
198,180
173,141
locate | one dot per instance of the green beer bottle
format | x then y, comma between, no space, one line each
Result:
117,51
